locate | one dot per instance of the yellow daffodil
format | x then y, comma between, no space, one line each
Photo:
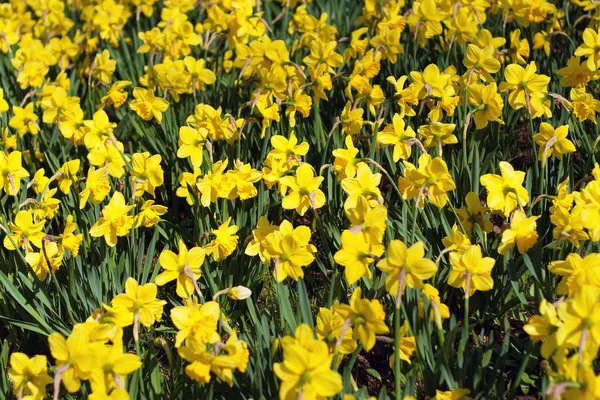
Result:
488,103
68,239
398,135
214,184
505,191
456,240
367,317
356,254
437,308
109,154
104,67
76,353
202,362
364,185
474,213
481,61
553,142
67,175
196,321
580,318
29,376
345,159
191,143
437,134
258,243
522,232
330,326
290,250
519,48
576,73
454,394
426,20
577,272
149,214
139,303
11,172
25,232
225,241
114,365
97,186
370,221
589,49
147,106
405,265
307,374
543,327
116,95
115,220
183,267
24,120
408,345
523,83
288,149
568,225
471,271
146,172
431,180
46,260
304,192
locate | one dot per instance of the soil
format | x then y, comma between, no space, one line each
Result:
376,359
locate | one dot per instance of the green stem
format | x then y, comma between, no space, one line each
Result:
536,170
321,229
375,132
465,330
211,390
387,175
475,181
415,49
442,339
280,304
334,279
397,316
138,372
196,217
448,54
541,181
209,279
414,224
465,128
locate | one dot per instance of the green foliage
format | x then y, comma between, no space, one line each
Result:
491,356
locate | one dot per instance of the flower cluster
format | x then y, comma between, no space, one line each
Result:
324,198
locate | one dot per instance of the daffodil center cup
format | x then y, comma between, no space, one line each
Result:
305,378
507,190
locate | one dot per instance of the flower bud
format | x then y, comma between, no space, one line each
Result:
239,293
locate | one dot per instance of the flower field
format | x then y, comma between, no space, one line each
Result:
246,199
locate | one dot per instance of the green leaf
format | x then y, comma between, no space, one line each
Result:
304,304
